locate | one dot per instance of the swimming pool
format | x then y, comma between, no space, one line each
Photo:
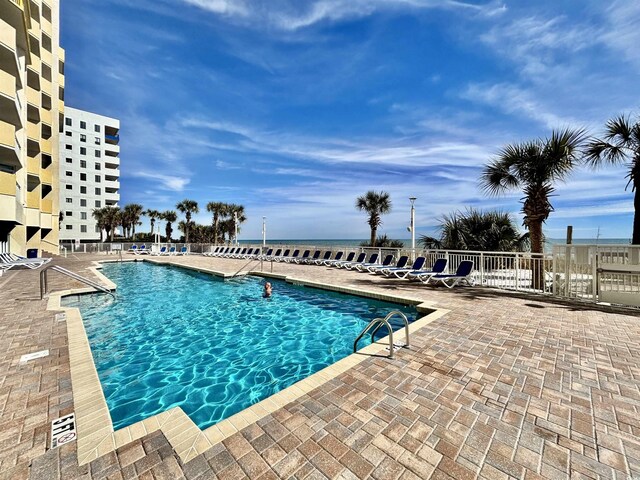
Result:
176,337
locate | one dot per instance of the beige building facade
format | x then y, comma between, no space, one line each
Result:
31,116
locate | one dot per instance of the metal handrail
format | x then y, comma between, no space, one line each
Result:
68,273
373,322
245,265
388,317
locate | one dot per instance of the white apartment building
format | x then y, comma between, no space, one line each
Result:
89,172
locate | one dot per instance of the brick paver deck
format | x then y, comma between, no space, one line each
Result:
501,387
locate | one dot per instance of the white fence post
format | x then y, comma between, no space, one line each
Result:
481,268
594,273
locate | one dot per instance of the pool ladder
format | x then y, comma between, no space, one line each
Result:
378,323
69,273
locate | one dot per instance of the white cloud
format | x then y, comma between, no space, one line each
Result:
168,182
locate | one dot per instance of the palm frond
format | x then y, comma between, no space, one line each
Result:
619,128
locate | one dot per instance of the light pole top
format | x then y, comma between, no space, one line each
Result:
412,199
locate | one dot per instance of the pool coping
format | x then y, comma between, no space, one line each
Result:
96,436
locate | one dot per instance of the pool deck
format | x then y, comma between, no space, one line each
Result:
499,386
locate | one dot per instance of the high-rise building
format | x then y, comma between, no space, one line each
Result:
89,172
31,112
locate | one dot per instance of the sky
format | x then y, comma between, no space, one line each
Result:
293,108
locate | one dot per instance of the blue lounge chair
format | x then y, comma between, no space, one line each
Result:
133,248
172,250
338,256
423,275
463,274
401,263
373,258
366,266
359,259
336,263
183,251
162,251
402,272
142,250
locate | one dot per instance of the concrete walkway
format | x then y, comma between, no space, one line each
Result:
503,386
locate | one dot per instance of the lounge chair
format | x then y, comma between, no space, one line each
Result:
172,250
366,266
265,255
292,257
373,258
320,261
183,251
312,259
423,275
401,263
270,258
361,258
463,274
303,258
285,254
338,256
133,248
162,251
240,253
142,250
403,272
337,262
10,260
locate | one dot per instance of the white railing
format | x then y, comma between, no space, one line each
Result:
4,246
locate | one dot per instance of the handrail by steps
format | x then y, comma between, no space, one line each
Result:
68,273
387,318
376,321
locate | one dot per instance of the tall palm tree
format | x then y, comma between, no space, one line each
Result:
187,207
534,166
169,216
153,215
98,214
236,214
621,144
112,217
375,204
218,209
132,213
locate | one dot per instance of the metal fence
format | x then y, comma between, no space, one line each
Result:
600,273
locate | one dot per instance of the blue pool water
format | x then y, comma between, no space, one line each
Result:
175,337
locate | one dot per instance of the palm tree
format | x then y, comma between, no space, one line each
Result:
236,214
534,167
169,216
131,213
112,217
375,204
492,231
152,214
98,214
621,144
218,209
187,207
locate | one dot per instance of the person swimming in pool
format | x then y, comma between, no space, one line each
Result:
267,290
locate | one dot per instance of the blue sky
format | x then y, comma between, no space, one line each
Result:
294,108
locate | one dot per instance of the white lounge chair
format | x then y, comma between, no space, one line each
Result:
463,274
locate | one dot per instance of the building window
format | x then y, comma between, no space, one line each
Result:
98,154
97,140
83,137
98,204
98,191
68,133
97,227
83,215
68,174
83,163
83,228
83,176
98,179
83,151
83,189
69,187
67,121
98,167
83,125
83,202
68,160
97,128
68,147
67,214
69,227
68,200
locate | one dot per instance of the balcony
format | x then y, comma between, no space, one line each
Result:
46,56
9,109
46,205
111,186
33,199
8,144
61,106
46,175
33,166
112,163
46,220
8,58
33,97
45,86
32,217
111,139
46,26
35,27
7,183
45,116
33,131
46,146
61,80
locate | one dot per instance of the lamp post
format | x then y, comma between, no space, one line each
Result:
264,231
235,224
413,227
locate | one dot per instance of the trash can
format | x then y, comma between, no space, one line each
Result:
32,253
